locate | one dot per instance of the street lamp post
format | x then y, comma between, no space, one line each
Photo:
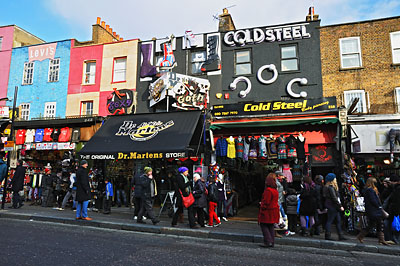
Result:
11,138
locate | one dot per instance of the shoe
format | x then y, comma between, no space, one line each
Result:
341,237
155,221
206,225
195,227
87,218
390,242
292,233
12,207
61,209
134,217
78,218
224,218
265,245
287,233
218,224
141,222
144,218
328,236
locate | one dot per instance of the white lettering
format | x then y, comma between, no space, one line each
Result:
287,34
304,32
228,38
258,36
296,32
270,37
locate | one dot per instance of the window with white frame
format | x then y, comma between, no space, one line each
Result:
89,76
350,96
50,109
28,73
397,98
87,108
350,52
54,69
25,110
242,62
289,58
1,42
395,42
197,59
119,74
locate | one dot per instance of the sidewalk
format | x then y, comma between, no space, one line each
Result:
236,229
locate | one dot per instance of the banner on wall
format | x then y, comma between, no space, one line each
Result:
322,155
275,107
121,102
372,138
42,52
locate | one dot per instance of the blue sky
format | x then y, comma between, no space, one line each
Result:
54,20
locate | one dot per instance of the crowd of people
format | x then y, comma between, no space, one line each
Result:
319,205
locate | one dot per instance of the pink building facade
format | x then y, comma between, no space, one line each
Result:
6,45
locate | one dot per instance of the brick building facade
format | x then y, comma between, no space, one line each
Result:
362,59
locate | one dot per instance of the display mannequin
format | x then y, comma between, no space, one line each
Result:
301,152
262,148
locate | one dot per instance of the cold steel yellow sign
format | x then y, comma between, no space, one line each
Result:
289,106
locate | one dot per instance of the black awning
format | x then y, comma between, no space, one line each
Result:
143,136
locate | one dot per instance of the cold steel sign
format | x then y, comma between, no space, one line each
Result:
262,108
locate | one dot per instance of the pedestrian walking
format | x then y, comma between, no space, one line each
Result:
120,184
291,210
268,214
3,169
83,194
149,192
47,186
200,198
108,197
222,199
212,198
333,205
373,208
17,185
308,206
71,191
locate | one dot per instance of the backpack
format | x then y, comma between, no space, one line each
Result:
212,193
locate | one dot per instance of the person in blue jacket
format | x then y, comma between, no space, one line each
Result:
3,169
108,197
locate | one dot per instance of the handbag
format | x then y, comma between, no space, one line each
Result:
187,201
385,215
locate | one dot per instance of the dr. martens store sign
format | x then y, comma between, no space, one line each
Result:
275,107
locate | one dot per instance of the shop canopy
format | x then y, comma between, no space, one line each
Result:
143,136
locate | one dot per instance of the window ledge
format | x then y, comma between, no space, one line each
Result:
397,65
289,72
87,84
243,75
115,82
351,68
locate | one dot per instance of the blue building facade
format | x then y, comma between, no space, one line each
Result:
41,73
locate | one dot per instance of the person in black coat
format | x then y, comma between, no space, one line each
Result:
17,184
394,205
308,205
200,198
212,204
83,194
183,185
149,191
373,208
137,191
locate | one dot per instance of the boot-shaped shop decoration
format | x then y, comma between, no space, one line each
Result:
168,61
147,69
190,39
213,62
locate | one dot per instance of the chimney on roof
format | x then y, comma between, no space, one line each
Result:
311,16
103,33
225,21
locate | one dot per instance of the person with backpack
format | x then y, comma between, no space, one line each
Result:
212,198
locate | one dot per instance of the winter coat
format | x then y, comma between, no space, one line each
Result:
200,198
331,197
149,188
82,185
212,193
308,201
394,202
291,204
17,182
221,191
3,170
138,187
320,199
373,206
269,208
181,185
109,190
280,188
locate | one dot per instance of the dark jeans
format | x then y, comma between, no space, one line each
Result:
333,215
292,220
146,206
200,215
107,205
375,222
221,209
137,206
17,200
268,233
190,216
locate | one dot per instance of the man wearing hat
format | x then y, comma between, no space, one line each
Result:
183,185
149,191
83,194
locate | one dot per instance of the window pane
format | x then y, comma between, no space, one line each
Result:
350,46
349,98
351,60
396,56
243,69
198,57
1,43
288,52
396,40
289,65
242,56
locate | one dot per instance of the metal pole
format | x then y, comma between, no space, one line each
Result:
11,138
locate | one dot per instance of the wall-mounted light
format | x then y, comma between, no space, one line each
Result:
386,161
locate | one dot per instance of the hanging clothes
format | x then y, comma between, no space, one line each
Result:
291,143
287,173
221,147
246,149
231,153
301,152
47,134
30,135
39,135
239,142
20,136
253,148
272,150
282,153
262,146
297,172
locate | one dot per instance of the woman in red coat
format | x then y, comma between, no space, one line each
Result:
269,211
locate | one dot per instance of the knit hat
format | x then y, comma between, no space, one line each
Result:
148,169
196,175
330,177
183,169
84,162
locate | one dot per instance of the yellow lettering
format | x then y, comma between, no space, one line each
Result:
246,107
155,155
151,156
161,155
266,107
276,106
254,108
298,105
290,105
125,155
120,155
